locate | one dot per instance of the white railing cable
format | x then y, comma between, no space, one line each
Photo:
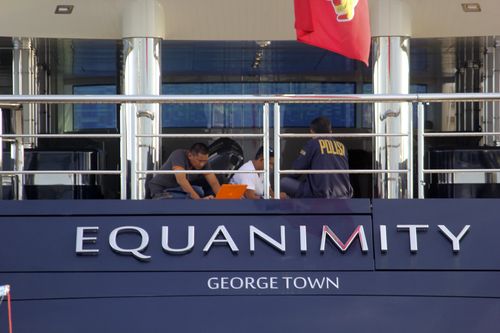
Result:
461,134
341,135
430,171
202,135
60,172
61,136
196,172
350,171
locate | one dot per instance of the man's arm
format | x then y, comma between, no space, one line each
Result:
213,182
303,161
250,194
184,183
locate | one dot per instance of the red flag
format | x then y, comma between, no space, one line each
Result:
341,26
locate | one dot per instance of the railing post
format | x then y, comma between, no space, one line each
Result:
1,154
265,130
409,175
420,143
133,149
277,150
19,155
123,153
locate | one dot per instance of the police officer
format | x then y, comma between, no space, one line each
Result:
320,153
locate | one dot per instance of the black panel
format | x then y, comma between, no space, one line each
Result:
451,186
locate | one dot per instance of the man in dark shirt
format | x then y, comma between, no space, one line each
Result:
181,185
320,153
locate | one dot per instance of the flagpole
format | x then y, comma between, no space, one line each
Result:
9,311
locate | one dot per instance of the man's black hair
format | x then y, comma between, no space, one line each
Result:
321,125
260,152
199,148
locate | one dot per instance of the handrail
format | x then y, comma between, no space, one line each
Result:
62,136
60,172
196,172
455,134
350,171
460,170
340,135
250,99
287,135
203,99
202,135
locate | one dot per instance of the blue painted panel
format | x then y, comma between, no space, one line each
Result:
248,314
184,207
48,244
479,248
45,286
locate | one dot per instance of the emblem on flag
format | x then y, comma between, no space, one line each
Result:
344,9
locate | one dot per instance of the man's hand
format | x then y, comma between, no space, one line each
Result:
209,197
250,194
213,182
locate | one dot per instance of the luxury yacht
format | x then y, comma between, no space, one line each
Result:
95,95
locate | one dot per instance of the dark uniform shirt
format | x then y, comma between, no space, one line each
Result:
161,182
324,154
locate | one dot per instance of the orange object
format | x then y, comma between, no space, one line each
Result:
231,191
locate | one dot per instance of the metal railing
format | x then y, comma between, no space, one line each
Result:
12,101
428,98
